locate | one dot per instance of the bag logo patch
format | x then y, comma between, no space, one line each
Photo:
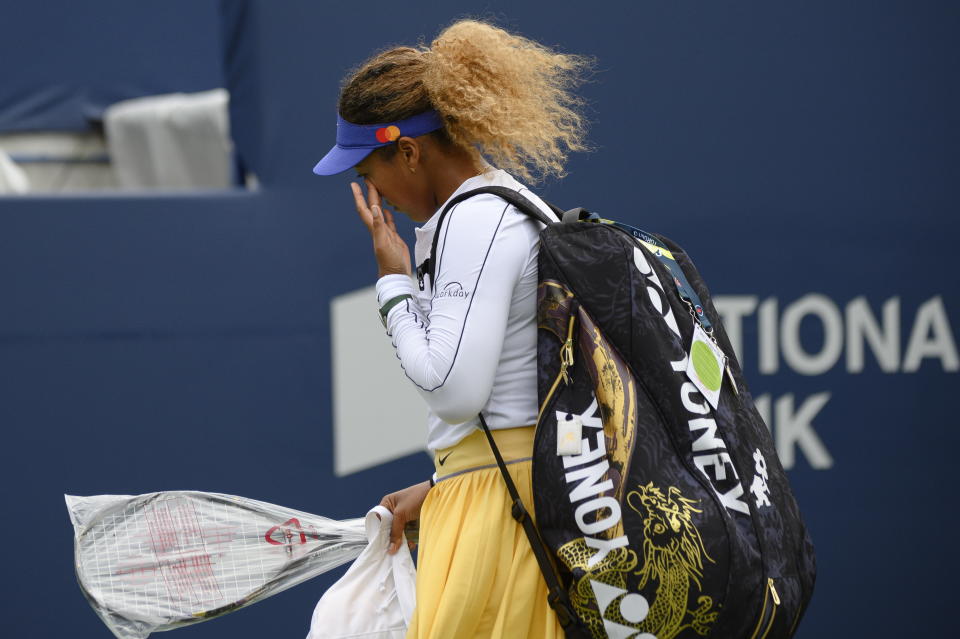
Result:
673,559
759,487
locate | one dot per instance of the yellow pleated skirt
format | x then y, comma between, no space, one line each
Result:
476,574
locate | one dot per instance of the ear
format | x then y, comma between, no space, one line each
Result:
410,152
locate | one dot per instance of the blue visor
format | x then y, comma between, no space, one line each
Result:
357,141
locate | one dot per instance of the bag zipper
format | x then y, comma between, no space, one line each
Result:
769,593
566,361
796,620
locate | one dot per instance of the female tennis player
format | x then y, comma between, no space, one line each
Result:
419,126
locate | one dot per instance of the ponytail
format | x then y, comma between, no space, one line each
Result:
501,95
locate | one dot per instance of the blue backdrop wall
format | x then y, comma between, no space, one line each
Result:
804,153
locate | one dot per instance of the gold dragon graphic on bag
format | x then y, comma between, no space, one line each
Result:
671,566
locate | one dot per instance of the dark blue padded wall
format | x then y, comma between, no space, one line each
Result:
64,62
803,153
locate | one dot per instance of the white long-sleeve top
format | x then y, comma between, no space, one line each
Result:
469,341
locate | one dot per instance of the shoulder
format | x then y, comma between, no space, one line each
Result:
484,207
486,218
483,211
479,204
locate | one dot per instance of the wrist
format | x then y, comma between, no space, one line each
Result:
384,271
391,285
390,304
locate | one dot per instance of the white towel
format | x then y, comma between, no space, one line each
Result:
376,596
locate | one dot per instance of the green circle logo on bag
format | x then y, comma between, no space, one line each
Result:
706,366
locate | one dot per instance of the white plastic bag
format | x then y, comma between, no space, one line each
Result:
376,596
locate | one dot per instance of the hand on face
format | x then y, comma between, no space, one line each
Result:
391,252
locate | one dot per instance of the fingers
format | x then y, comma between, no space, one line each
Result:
388,218
370,210
375,205
373,195
361,203
399,521
396,532
378,228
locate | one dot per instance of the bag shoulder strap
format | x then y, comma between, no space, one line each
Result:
557,597
524,205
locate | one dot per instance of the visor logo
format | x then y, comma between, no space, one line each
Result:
387,134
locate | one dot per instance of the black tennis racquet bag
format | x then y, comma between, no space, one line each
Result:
668,514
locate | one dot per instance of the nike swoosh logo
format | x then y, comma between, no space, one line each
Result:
440,460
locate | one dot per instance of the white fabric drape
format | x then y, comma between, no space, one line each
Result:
12,178
176,141
375,597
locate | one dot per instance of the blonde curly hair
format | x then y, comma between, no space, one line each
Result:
501,95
